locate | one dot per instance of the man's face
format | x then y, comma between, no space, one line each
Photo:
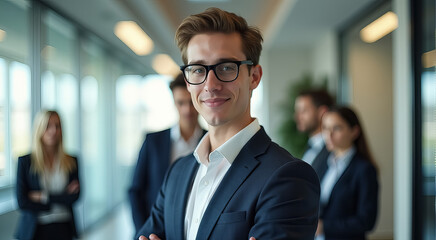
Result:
53,134
185,108
306,116
222,103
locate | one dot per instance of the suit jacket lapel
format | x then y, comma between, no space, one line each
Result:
166,149
241,168
319,164
185,180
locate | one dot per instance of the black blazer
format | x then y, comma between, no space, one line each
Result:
153,162
28,181
352,208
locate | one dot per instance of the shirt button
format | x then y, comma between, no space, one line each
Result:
206,183
196,220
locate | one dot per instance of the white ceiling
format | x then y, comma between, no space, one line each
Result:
284,23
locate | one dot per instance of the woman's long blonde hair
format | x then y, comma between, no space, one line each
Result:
67,162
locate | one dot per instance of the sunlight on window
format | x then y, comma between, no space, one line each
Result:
128,120
89,94
20,109
128,93
2,116
68,90
48,90
429,123
157,99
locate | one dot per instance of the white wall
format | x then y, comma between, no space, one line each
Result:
281,67
325,60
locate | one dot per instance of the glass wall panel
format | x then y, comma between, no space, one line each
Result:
59,84
96,161
15,94
426,53
2,118
20,109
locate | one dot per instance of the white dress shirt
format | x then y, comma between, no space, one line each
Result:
213,167
336,167
316,144
180,147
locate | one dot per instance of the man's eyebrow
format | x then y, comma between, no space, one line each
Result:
219,61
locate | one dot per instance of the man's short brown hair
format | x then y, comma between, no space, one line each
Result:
319,97
179,81
217,20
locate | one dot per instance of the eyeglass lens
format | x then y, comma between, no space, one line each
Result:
224,72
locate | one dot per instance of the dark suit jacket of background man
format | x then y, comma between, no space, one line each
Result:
266,193
153,162
319,164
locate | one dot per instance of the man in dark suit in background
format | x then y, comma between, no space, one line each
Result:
160,150
238,183
310,106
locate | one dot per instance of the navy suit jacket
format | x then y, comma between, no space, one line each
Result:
352,208
319,164
153,163
266,193
29,181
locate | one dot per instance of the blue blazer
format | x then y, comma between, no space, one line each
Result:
266,193
153,162
28,181
352,208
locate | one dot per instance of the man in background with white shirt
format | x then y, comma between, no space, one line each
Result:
238,184
310,106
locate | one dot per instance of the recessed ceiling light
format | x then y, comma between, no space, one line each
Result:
134,37
379,28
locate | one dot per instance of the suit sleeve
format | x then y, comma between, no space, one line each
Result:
66,198
367,202
136,194
23,187
288,204
155,222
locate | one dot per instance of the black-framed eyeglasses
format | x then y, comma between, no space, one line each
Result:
227,71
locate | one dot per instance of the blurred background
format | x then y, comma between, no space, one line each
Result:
111,88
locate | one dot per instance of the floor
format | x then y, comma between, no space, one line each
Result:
118,226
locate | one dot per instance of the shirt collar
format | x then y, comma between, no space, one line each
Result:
316,141
343,160
230,149
176,135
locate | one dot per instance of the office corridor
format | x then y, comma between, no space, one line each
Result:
117,226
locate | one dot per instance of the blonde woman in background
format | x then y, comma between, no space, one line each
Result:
47,184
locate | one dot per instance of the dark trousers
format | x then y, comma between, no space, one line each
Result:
54,231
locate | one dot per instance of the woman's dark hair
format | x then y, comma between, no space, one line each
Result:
352,120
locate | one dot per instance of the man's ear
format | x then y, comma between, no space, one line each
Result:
256,75
321,111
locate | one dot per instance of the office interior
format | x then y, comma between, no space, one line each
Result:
67,55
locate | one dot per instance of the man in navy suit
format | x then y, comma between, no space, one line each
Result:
310,106
160,150
238,183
